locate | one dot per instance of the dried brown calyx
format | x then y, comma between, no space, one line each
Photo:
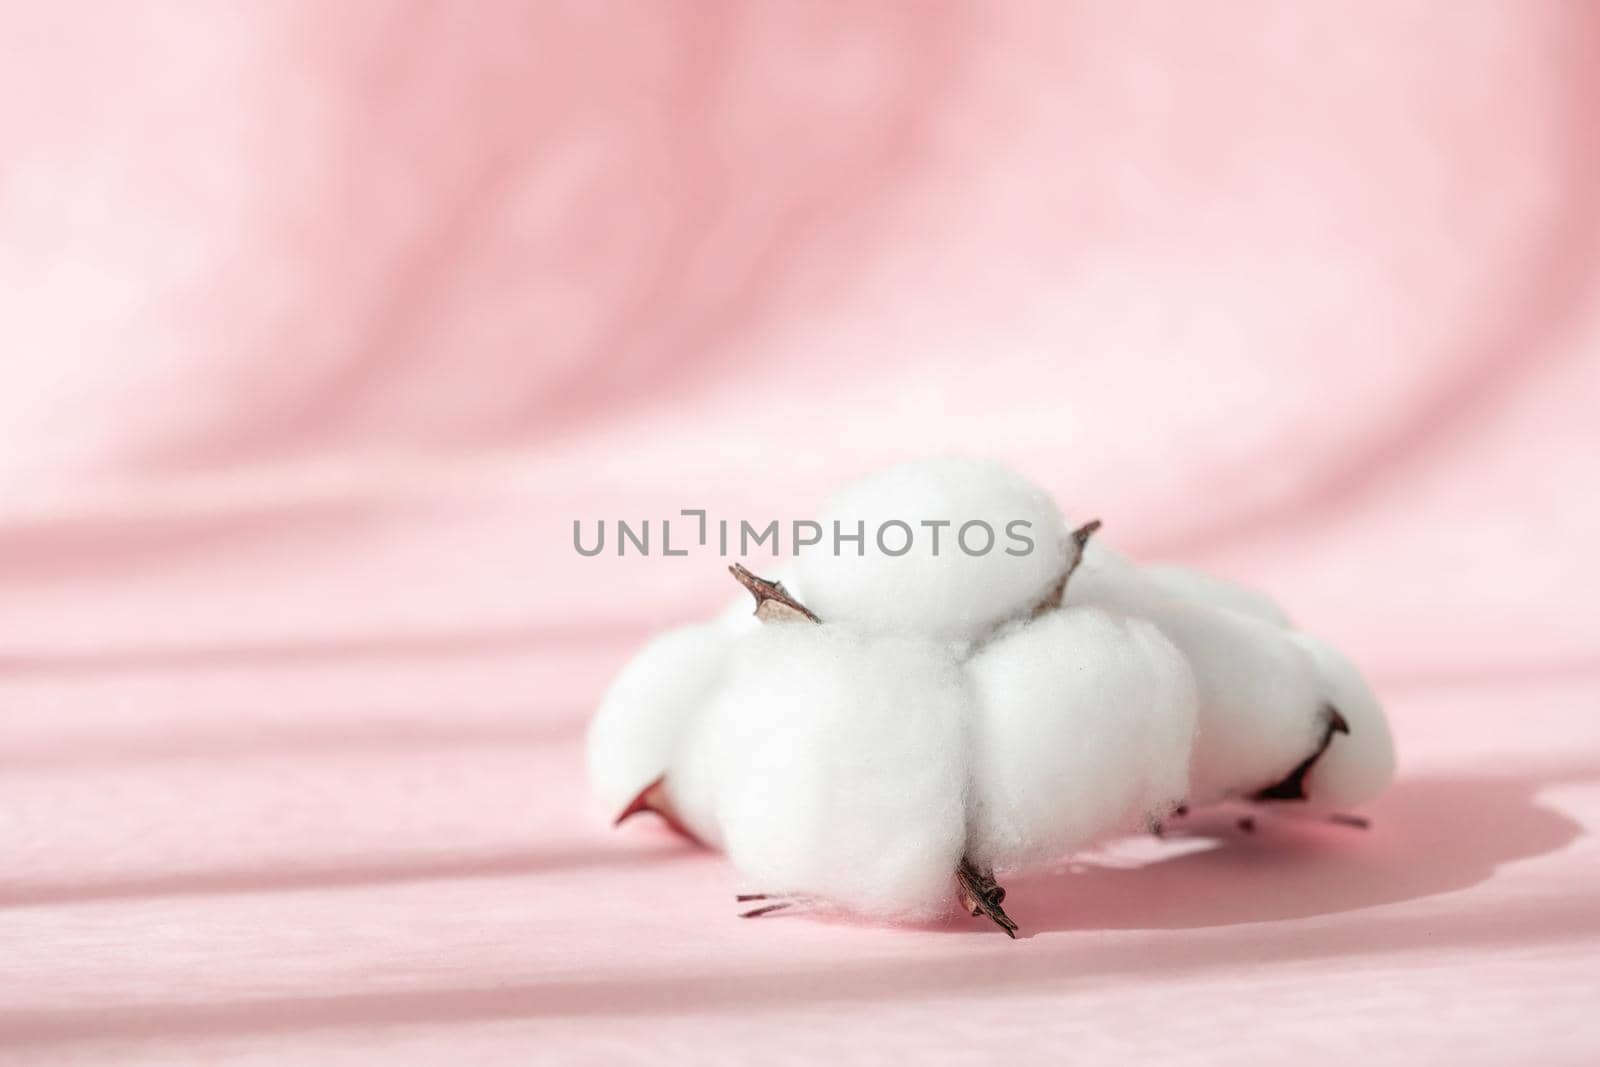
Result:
1080,538
780,902
773,601
654,798
982,895
1293,787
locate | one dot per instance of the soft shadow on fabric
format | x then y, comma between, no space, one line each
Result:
1432,836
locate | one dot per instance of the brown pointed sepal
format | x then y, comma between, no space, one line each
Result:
982,895
1293,787
1080,537
654,798
773,602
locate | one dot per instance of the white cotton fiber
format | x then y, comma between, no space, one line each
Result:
646,719
691,779
1083,725
950,595
1261,705
1104,576
1261,708
842,768
1358,765
1198,587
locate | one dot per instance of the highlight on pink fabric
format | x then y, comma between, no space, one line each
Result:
321,325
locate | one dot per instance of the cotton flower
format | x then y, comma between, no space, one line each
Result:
888,728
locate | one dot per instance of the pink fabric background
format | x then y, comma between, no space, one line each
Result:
319,324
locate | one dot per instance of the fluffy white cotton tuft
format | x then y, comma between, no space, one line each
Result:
1244,666
691,779
1198,587
842,769
1106,577
1261,705
953,595
1083,725
647,718
1358,765
1261,709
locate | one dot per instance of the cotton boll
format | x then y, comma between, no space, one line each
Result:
1357,766
1261,706
1198,587
1083,724
948,594
841,768
647,717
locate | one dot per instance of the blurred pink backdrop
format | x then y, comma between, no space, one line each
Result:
319,325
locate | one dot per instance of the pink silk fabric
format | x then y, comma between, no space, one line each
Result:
320,324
